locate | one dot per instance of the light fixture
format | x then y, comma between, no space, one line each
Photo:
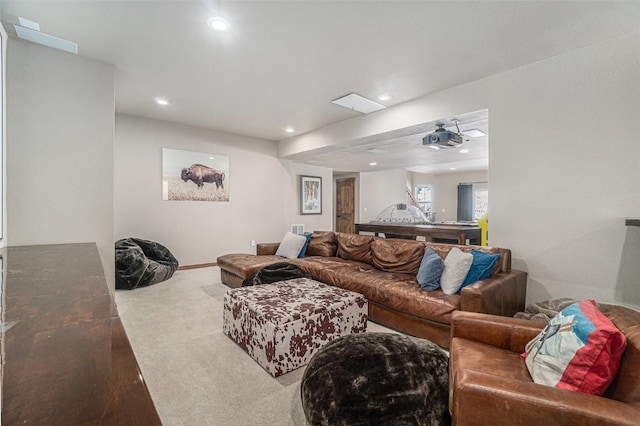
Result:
464,151
452,168
373,163
384,97
161,101
289,130
218,23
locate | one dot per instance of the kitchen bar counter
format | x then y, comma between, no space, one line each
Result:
462,234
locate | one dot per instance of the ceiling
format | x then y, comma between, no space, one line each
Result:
403,149
282,63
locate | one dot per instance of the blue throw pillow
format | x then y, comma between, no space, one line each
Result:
481,268
303,250
430,270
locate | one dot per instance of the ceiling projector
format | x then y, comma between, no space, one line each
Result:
442,138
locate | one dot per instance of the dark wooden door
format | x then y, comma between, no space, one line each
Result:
345,205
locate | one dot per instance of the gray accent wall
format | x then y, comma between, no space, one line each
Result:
60,144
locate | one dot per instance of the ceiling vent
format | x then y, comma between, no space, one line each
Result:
30,31
442,138
358,103
297,229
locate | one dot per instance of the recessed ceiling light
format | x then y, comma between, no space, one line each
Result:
384,97
452,168
375,151
218,23
161,101
434,147
473,133
289,130
464,151
373,164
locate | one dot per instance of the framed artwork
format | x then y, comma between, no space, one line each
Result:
194,176
310,195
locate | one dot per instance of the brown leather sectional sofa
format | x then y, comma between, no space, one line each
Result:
489,383
384,271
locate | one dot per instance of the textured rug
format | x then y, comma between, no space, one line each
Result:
196,375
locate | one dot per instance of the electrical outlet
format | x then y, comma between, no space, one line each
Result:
253,243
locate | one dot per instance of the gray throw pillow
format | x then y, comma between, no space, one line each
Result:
430,270
291,245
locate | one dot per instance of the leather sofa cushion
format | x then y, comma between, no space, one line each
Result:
315,265
625,386
392,289
469,355
322,244
243,265
355,247
397,255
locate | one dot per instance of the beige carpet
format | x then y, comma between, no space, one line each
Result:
196,374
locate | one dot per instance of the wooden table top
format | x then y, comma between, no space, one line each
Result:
66,359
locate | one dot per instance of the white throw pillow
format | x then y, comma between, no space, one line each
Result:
291,245
456,267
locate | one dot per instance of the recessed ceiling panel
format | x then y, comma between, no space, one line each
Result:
358,103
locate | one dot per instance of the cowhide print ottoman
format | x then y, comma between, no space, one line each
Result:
281,325
377,378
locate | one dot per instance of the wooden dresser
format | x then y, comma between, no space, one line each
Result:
66,358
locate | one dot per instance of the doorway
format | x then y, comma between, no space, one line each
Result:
345,205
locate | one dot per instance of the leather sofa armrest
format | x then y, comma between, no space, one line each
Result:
267,248
503,293
502,332
481,398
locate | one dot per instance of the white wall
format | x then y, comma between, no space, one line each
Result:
3,136
379,190
444,190
563,172
321,222
263,192
60,139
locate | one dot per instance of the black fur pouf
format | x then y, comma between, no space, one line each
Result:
377,379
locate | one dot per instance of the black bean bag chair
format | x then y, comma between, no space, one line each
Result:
377,379
141,263
280,271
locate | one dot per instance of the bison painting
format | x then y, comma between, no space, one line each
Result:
200,174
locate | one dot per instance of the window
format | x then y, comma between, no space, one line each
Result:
473,200
423,198
480,199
